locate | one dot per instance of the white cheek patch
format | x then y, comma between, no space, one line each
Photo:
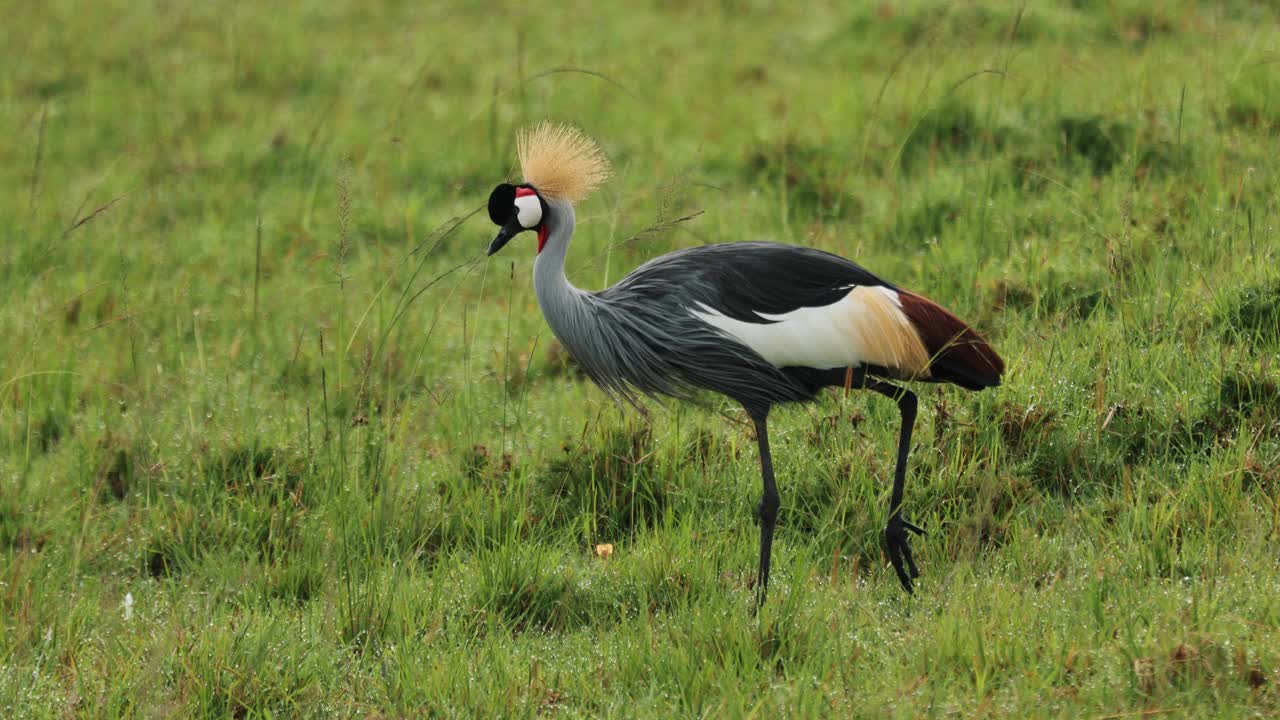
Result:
529,211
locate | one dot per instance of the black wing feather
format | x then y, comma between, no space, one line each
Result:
743,278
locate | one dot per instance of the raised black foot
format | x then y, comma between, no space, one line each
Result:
895,538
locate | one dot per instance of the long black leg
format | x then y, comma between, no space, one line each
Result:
895,532
768,502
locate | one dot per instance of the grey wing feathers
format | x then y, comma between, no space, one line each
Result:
660,349
649,340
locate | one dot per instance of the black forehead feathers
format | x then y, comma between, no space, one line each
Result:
501,203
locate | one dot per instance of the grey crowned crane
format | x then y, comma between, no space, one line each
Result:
763,323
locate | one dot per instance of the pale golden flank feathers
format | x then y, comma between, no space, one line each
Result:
886,333
561,161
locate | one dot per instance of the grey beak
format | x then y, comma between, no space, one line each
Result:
505,233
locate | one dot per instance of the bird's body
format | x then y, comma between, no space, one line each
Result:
759,322
762,323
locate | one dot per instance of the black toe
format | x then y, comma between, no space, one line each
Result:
896,540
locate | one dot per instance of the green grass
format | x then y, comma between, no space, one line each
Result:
258,377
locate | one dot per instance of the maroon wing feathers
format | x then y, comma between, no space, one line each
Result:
959,354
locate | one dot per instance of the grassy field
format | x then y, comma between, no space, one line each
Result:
277,440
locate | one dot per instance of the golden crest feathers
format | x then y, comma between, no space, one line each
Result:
561,161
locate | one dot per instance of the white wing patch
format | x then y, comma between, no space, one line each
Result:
867,326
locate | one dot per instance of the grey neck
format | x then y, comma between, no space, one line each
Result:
556,296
